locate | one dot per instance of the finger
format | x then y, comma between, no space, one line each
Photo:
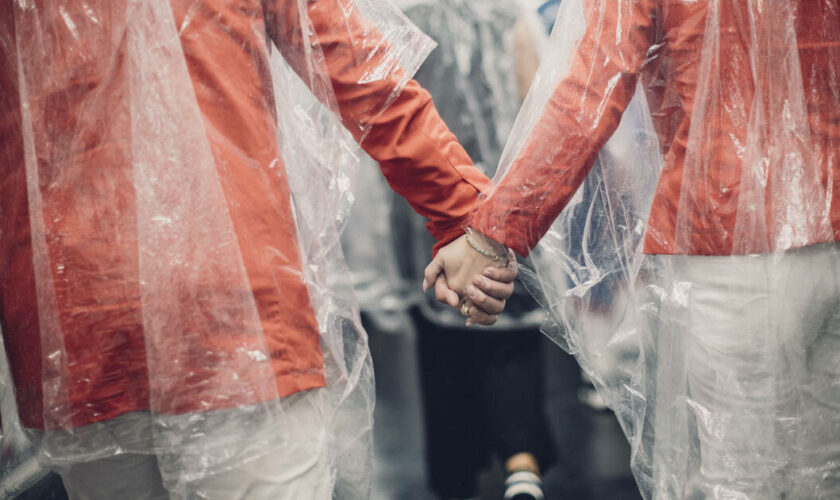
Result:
432,271
489,304
498,289
444,294
480,317
505,274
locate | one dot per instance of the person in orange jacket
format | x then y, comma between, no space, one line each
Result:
132,306
742,229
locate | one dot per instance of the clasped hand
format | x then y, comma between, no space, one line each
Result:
473,283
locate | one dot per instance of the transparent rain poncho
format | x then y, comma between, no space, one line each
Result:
368,247
698,281
137,227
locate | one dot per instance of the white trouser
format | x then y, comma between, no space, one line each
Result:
762,354
297,468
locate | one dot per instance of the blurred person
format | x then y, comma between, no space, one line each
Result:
483,394
170,290
734,394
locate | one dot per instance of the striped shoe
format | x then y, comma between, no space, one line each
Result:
523,485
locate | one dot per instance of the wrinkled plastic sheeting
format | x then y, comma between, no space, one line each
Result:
18,467
369,248
339,167
194,286
677,274
472,75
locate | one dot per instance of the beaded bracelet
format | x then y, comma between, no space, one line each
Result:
490,255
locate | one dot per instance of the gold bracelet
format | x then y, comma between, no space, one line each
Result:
490,255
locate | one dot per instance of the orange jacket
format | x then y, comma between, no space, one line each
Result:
660,42
95,250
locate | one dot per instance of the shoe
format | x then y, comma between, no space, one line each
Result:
523,485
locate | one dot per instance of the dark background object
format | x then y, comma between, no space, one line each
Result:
593,455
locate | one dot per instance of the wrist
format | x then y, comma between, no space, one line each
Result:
487,246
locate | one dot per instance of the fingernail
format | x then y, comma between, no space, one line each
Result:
469,322
425,284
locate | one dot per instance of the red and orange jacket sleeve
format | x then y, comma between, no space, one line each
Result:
581,115
420,158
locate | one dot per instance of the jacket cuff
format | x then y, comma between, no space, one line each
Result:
446,232
498,228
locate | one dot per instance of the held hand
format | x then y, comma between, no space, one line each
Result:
471,282
460,263
489,291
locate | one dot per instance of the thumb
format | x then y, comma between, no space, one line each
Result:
432,271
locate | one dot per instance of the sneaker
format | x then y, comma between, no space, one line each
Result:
523,485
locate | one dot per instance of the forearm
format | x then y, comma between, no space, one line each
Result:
391,116
583,111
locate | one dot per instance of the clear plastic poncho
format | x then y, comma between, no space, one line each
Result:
368,247
125,85
698,282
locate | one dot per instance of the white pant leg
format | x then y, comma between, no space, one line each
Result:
752,321
132,475
297,468
818,468
124,477
293,461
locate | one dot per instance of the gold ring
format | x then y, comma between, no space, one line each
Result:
465,308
